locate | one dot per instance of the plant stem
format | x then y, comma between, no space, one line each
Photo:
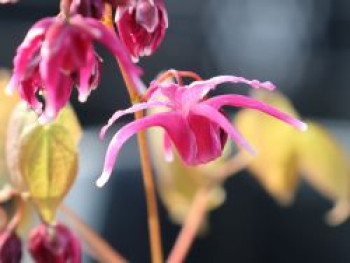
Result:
148,181
191,226
96,246
199,208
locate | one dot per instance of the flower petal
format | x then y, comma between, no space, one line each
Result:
147,15
198,89
173,123
215,116
132,109
26,51
112,42
246,102
85,74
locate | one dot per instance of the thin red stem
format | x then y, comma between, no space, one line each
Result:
148,181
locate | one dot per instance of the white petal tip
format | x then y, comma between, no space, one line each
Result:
102,180
100,183
303,126
8,91
83,98
169,158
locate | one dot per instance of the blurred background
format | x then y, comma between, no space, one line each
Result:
303,46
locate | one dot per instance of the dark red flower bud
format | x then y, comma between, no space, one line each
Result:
10,248
142,25
54,244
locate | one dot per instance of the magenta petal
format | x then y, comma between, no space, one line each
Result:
30,45
207,136
246,102
147,15
132,109
198,89
216,117
85,74
173,123
111,41
56,99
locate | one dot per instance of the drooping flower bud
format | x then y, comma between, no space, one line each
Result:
10,248
55,244
56,54
142,26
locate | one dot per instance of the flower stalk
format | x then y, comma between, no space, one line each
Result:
148,181
199,208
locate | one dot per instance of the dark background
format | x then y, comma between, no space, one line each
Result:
303,46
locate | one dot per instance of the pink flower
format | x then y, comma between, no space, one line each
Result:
142,26
196,126
10,247
56,54
54,244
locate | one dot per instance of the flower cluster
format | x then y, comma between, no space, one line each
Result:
58,52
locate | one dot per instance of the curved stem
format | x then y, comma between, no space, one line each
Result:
65,7
190,228
96,246
199,208
178,75
148,181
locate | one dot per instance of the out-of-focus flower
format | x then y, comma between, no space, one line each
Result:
142,25
10,247
8,1
56,54
194,125
284,155
56,244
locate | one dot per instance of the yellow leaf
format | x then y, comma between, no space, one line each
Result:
69,120
23,118
324,164
7,104
275,166
48,162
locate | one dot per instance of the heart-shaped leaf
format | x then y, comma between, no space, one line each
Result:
48,163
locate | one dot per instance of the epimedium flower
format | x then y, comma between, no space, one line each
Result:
48,243
57,53
141,25
194,124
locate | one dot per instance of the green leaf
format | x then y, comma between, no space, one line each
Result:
48,163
